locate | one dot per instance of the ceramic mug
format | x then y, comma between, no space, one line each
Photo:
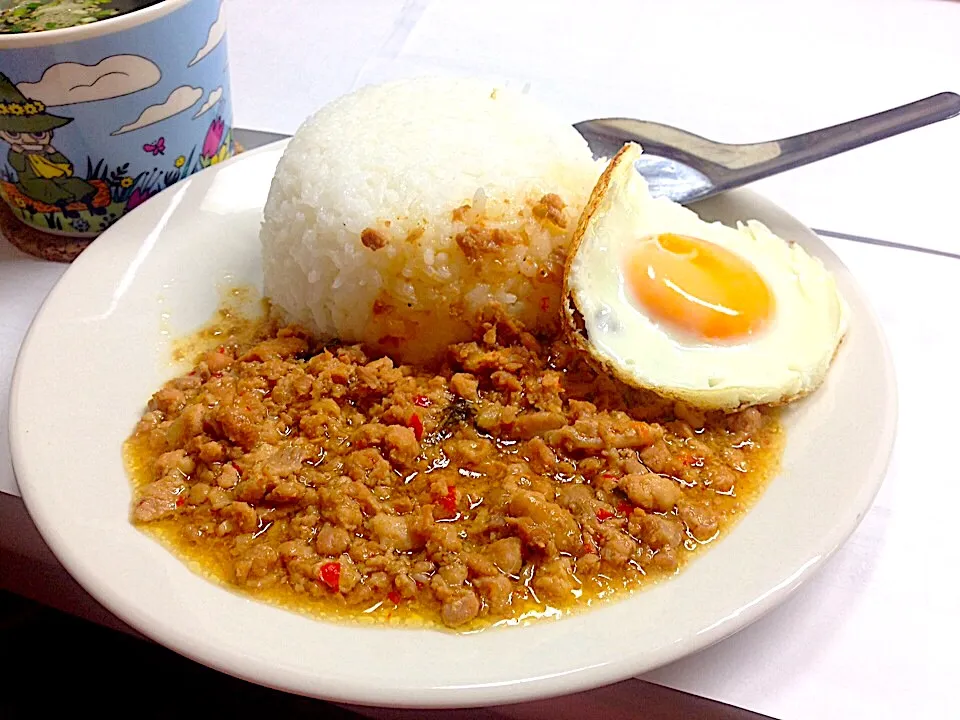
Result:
95,119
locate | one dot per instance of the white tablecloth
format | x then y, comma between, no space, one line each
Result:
875,633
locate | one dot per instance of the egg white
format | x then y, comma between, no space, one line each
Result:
788,358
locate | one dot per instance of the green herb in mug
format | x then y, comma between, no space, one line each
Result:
27,16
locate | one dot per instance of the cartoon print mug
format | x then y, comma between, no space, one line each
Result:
95,119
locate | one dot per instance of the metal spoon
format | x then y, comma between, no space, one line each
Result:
686,167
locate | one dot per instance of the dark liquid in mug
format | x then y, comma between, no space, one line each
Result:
25,16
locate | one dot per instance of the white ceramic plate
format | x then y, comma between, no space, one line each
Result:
100,346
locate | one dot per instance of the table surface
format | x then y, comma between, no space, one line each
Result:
874,633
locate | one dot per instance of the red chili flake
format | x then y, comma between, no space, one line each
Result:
422,401
624,508
589,546
449,501
394,597
419,585
221,350
691,460
330,574
603,514
544,304
180,501
417,424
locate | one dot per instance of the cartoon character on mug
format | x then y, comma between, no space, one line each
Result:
43,173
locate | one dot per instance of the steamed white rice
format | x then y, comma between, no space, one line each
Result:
398,212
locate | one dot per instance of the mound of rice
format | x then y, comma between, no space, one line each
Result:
397,213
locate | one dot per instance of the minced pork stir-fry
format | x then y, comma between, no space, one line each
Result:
512,481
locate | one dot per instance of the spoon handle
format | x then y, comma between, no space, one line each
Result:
812,146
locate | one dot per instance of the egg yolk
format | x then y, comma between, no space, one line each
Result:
698,287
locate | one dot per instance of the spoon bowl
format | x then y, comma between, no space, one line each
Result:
685,167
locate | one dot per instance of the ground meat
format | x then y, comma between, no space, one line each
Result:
550,210
720,477
747,421
543,525
175,461
239,426
618,548
477,241
506,554
217,361
465,385
479,565
510,477
286,492
256,564
580,499
229,476
467,453
544,460
373,239
496,592
243,516
284,462
280,347
211,452
158,499
185,426
332,540
657,531
460,608
537,423
659,458
369,466
169,400
573,439
651,491
401,444
393,532
342,509
454,574
555,582
700,520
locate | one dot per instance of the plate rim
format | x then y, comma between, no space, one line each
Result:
577,680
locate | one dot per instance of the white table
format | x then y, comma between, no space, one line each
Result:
875,633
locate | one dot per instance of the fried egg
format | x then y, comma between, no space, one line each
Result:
719,317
